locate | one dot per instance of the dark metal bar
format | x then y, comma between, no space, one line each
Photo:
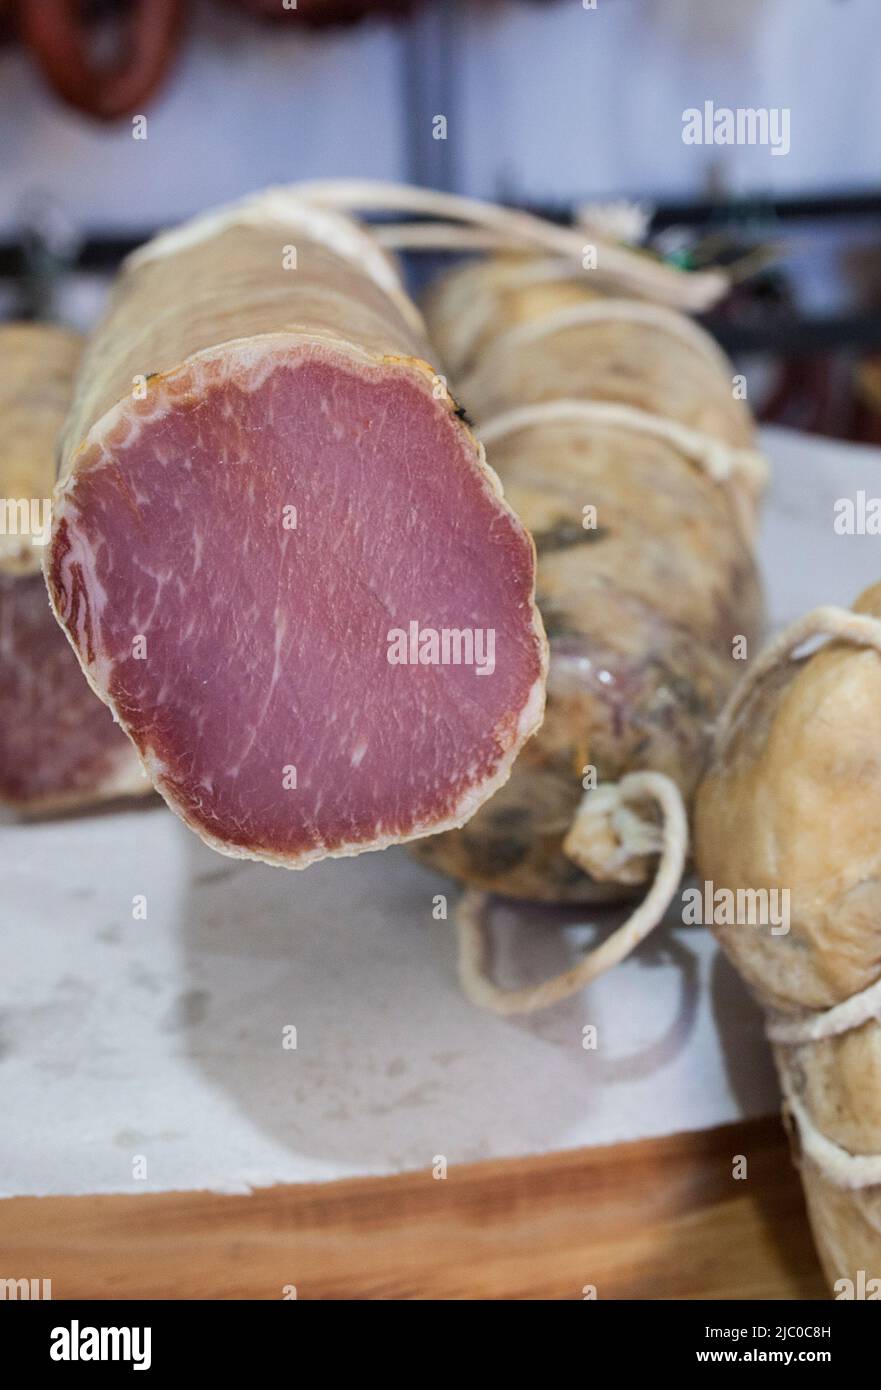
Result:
799,337
103,251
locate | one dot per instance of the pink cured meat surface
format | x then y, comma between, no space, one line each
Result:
266,648
58,744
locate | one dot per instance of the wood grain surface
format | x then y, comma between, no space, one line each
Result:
659,1219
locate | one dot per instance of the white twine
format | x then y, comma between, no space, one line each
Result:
719,460
840,1166
842,1018
671,839
690,290
607,311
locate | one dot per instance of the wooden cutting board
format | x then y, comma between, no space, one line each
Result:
659,1219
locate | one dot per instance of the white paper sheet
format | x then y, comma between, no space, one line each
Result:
142,1055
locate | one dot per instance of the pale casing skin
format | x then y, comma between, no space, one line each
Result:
39,363
792,799
655,595
82,758
217,306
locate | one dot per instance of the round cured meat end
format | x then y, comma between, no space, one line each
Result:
248,563
59,746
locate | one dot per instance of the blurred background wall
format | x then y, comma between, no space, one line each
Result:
545,101
552,103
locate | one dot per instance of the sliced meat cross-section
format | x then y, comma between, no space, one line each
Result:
279,552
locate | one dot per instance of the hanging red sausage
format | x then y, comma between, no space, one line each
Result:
321,12
60,37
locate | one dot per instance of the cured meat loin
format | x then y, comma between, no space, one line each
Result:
615,426
788,859
278,550
59,747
